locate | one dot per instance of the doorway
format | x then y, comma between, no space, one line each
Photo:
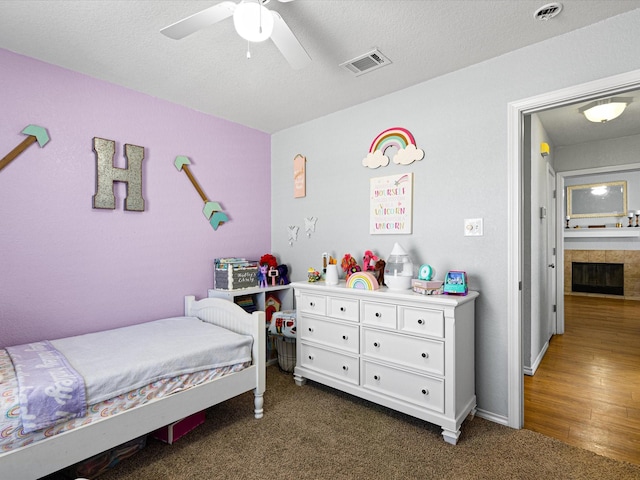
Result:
516,113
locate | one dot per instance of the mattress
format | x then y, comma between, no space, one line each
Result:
179,367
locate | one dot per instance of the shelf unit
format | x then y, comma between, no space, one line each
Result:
259,297
259,294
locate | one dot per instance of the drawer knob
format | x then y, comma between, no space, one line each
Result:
310,357
311,329
345,337
420,321
425,355
378,315
312,304
376,377
342,309
425,391
345,367
376,344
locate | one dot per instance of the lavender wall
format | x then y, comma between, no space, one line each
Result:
66,268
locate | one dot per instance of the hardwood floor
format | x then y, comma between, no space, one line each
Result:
586,391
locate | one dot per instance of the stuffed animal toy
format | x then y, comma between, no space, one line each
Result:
369,261
349,265
379,271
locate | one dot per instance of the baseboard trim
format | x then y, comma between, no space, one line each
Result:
531,371
492,417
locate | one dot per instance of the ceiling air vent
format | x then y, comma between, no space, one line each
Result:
548,11
366,63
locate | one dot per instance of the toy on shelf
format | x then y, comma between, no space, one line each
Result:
262,276
283,275
268,260
349,265
426,272
363,281
455,283
313,275
273,274
369,261
378,270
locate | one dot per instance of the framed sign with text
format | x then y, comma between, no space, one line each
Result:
390,204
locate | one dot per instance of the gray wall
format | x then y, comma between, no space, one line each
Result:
460,120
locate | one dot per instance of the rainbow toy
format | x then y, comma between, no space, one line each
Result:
363,281
398,137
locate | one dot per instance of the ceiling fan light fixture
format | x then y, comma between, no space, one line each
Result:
253,22
602,111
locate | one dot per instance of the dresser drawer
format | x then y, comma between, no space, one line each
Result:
340,366
417,389
423,321
332,334
379,314
415,352
343,308
312,304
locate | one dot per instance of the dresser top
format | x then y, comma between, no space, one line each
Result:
384,293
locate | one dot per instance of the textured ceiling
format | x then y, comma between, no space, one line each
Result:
120,42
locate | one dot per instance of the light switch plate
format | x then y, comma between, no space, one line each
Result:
473,227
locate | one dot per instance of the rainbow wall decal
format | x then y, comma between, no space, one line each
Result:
398,137
393,137
363,281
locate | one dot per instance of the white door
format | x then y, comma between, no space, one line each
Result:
549,327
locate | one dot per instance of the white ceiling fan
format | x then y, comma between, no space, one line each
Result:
253,22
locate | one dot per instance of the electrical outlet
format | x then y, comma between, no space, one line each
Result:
473,227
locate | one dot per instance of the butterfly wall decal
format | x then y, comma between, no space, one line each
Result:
310,225
293,234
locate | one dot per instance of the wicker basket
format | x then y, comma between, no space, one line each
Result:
286,353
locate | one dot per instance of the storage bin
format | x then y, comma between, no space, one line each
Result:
174,431
99,464
286,353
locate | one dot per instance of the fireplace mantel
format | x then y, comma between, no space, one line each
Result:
601,232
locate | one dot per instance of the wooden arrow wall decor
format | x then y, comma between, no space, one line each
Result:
34,133
212,210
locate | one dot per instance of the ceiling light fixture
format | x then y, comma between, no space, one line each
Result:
602,111
253,22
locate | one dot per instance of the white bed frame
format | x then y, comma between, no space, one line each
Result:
57,452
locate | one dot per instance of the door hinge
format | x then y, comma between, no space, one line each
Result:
554,251
520,285
554,309
554,194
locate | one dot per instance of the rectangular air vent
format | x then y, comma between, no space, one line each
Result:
366,63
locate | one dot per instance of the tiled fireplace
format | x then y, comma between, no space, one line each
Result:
629,258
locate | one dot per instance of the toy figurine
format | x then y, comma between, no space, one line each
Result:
283,275
379,271
273,274
262,275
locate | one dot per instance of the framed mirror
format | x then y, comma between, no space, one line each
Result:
605,199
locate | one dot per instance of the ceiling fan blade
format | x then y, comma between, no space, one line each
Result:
288,44
199,20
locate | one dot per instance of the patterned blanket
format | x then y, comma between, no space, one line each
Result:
50,390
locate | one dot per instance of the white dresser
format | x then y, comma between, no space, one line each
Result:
409,352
